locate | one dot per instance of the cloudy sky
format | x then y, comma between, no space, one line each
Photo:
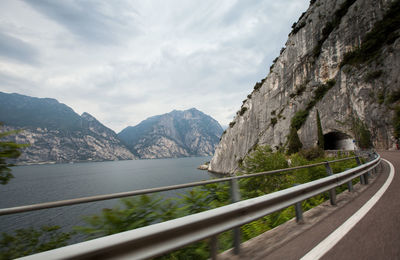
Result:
125,60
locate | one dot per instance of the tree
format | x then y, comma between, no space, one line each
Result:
8,150
294,141
321,144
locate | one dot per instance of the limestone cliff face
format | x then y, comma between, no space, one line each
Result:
314,55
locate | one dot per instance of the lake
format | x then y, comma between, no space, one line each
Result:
43,183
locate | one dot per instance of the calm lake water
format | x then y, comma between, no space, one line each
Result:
43,183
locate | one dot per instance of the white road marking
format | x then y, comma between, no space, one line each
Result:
325,245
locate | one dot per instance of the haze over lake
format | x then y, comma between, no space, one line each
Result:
43,183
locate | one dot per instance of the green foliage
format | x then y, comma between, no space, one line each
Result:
274,121
393,97
301,116
371,76
8,150
299,90
299,119
383,33
396,122
297,26
294,141
258,85
362,134
312,153
381,97
145,210
243,110
24,242
321,141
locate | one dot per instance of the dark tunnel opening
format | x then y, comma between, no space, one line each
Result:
338,141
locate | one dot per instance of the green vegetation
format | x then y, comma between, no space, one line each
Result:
24,242
362,134
301,116
258,85
242,111
396,122
299,119
274,121
393,97
8,150
297,26
371,76
145,210
321,142
294,143
331,25
299,90
383,33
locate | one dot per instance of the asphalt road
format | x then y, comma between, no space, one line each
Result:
375,236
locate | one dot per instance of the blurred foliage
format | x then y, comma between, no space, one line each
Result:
24,242
140,211
8,151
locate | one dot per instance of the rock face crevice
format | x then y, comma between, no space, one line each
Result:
312,56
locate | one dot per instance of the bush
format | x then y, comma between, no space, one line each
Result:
362,134
312,153
371,76
274,121
294,141
25,242
242,111
299,119
394,97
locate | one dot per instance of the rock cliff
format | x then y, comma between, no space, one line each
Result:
55,133
175,134
342,58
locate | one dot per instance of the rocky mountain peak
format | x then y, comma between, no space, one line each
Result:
175,134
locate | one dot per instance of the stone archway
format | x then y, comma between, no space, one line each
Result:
338,141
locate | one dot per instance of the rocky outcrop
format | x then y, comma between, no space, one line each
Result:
175,134
326,65
55,133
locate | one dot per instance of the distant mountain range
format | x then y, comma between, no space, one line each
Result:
57,134
175,134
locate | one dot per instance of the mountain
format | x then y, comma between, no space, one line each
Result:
341,58
56,133
175,134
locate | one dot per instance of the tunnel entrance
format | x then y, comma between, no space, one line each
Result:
338,141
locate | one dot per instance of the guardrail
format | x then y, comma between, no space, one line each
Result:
157,239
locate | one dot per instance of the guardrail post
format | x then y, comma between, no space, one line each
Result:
350,185
332,192
214,247
362,178
235,196
299,211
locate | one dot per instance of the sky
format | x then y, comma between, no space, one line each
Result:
125,60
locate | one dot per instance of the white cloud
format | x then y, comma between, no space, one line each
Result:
123,61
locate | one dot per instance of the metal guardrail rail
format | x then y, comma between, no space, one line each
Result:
158,239
61,203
